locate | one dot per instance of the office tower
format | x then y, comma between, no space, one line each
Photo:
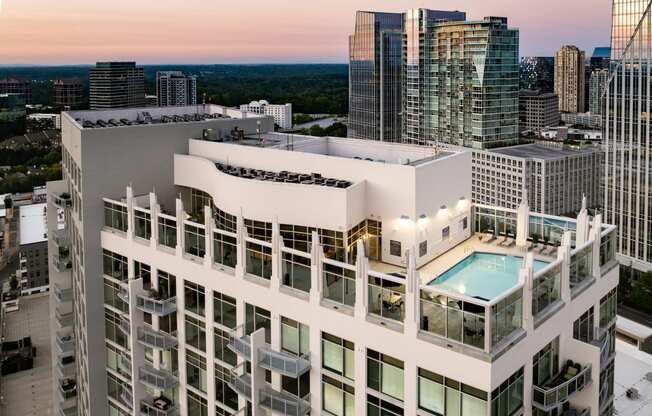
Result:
17,86
461,81
175,88
537,110
282,113
570,79
227,271
537,73
116,85
626,14
553,176
627,140
375,76
597,86
601,58
68,93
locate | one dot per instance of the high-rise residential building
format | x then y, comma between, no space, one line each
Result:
553,176
461,81
17,86
375,50
32,269
627,196
537,73
570,79
219,268
68,93
597,87
626,14
116,85
282,113
537,110
175,88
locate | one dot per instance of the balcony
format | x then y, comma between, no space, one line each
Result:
563,387
283,403
240,381
62,294
66,366
123,294
284,363
160,379
125,326
67,389
602,340
61,239
65,343
126,397
156,339
152,302
64,319
159,406
61,261
69,411
124,362
62,200
240,343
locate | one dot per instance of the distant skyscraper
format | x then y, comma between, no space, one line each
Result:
537,73
19,86
601,58
68,93
116,85
173,88
625,16
597,85
570,79
375,76
628,199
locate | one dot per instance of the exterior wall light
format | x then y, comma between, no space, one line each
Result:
423,219
404,221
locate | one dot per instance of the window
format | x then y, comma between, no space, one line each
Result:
194,297
546,363
338,355
112,330
339,284
195,240
115,265
225,249
583,326
195,333
386,298
198,200
296,272
337,398
167,231
385,374
379,407
111,290
222,352
143,224
256,318
259,230
452,318
196,371
115,216
223,393
506,316
259,260
295,337
167,286
608,308
197,405
144,272
224,310
507,399
440,395
225,221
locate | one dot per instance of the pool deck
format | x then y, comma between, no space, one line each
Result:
450,258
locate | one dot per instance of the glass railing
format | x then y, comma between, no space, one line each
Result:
607,247
67,389
64,319
581,265
546,287
156,304
62,200
62,294
338,282
156,339
281,362
115,215
123,294
386,296
239,342
283,403
563,388
158,406
160,379
240,381
65,342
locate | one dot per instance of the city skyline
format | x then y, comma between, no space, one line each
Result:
84,32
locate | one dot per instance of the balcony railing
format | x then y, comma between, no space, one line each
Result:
61,260
62,294
602,339
123,294
240,343
64,319
67,389
62,200
68,411
125,325
240,381
283,403
548,397
156,339
124,362
159,406
160,379
126,397
65,366
61,239
284,363
65,342
152,302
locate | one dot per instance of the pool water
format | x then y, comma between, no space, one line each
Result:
483,275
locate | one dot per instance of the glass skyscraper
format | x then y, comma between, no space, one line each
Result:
374,76
627,196
626,14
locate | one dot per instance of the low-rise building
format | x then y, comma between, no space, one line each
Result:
552,176
589,120
33,258
537,110
282,113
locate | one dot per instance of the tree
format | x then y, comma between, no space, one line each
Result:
641,292
13,282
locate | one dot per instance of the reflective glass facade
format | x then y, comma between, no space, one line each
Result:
626,15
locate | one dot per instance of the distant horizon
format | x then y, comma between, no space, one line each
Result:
257,32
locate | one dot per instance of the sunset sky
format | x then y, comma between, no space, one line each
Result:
255,31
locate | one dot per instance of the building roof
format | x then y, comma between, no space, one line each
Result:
538,151
633,367
32,225
602,52
633,329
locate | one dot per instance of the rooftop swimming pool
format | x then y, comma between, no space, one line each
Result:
483,275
